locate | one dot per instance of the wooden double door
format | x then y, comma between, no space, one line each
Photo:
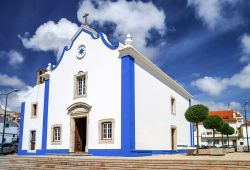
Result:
32,140
80,134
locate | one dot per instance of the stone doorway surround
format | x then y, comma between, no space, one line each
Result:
78,110
173,133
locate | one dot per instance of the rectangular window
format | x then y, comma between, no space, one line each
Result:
34,110
107,130
209,141
216,141
81,85
173,111
56,134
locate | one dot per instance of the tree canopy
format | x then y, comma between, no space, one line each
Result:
231,130
224,128
196,113
212,122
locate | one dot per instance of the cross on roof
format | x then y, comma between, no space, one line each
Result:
85,17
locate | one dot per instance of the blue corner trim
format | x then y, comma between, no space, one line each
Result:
21,128
45,116
100,34
191,129
127,104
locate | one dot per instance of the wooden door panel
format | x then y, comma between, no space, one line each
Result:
78,136
33,140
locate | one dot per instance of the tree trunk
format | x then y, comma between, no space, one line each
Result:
227,141
197,147
213,138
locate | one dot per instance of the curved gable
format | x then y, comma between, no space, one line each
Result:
93,35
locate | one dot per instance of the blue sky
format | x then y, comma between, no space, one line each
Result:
203,45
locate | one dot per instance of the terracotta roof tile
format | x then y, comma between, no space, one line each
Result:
226,115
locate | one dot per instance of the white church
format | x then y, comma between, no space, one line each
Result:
104,99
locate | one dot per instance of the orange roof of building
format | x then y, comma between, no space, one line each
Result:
226,115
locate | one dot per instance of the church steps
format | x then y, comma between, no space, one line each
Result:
14,162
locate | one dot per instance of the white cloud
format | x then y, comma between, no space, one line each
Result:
211,85
214,13
245,43
13,82
134,17
15,58
50,36
214,85
14,99
209,11
218,105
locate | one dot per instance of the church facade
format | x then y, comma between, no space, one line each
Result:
104,99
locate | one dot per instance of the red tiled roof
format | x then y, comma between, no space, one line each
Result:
238,115
226,115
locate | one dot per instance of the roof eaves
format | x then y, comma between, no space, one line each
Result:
130,50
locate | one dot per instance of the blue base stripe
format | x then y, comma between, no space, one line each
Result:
41,152
135,153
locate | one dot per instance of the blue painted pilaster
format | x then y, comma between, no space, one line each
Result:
191,129
21,129
127,105
45,117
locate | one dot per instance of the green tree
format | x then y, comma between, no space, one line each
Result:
196,114
212,122
230,131
223,130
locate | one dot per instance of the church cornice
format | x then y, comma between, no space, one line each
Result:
128,49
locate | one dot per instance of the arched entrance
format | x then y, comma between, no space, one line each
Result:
79,120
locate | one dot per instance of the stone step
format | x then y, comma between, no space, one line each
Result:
158,166
64,162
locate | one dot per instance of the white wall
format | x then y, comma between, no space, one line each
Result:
153,118
103,91
243,128
37,96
